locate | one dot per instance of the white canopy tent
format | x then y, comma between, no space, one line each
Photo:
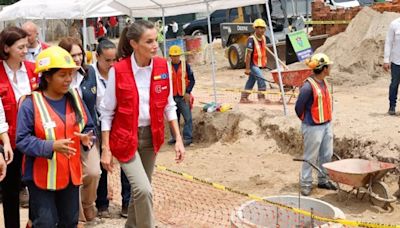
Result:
163,8
81,9
59,9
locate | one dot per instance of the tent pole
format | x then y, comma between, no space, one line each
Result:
276,58
212,52
164,33
44,30
84,33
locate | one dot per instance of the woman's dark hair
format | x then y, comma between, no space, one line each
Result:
133,32
104,44
319,70
67,43
8,37
43,84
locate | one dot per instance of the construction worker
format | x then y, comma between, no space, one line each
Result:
106,57
86,85
314,108
256,59
34,45
17,78
132,116
53,122
391,62
182,84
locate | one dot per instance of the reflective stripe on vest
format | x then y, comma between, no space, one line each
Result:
183,75
50,133
322,101
259,53
76,98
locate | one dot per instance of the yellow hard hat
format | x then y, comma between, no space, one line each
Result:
175,50
54,57
89,57
259,23
318,60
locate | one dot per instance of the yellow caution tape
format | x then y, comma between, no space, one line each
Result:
295,210
236,90
340,22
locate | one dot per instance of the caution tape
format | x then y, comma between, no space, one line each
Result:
339,22
293,209
236,90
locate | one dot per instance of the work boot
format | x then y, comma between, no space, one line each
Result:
262,99
392,111
328,185
244,98
124,211
305,190
103,213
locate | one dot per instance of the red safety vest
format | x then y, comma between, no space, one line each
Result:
259,51
180,79
56,173
8,97
44,45
321,108
124,130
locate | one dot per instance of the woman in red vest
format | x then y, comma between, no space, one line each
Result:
50,125
137,98
17,78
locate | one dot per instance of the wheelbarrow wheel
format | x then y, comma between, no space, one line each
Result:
380,194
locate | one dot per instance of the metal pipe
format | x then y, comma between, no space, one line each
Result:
212,52
276,59
164,33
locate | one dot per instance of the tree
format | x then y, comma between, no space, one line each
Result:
7,2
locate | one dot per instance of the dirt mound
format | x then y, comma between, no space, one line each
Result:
214,127
358,52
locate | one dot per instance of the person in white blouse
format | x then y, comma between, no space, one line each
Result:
7,156
17,78
86,86
137,98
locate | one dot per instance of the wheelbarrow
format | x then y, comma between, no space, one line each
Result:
292,78
363,175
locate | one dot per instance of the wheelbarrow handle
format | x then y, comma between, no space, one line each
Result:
313,165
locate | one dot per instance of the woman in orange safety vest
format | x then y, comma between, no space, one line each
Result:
52,124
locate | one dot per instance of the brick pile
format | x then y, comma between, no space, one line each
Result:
323,12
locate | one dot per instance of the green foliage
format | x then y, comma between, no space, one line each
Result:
7,2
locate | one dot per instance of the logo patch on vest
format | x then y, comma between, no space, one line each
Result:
93,89
159,88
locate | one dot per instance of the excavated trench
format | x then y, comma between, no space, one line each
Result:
209,128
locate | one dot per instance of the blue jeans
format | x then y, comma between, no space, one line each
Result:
318,147
255,70
184,109
48,209
394,84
